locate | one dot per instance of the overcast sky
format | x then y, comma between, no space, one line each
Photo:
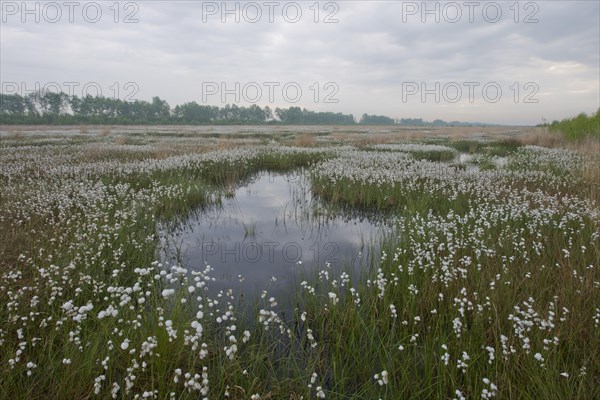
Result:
375,57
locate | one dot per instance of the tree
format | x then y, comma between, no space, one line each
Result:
376,120
12,104
161,111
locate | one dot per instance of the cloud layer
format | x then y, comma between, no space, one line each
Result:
380,57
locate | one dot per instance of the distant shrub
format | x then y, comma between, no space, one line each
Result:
578,127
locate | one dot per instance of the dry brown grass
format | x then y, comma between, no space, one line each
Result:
588,146
456,135
91,154
399,136
304,140
414,135
365,140
374,139
121,140
339,137
591,176
162,150
541,137
226,143
15,134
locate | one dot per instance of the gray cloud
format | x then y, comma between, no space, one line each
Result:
370,54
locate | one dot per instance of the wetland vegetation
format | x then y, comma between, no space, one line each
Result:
485,283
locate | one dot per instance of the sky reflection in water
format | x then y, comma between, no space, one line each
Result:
272,228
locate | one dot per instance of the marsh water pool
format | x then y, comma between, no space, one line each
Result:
271,232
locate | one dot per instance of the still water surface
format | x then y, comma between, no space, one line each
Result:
271,234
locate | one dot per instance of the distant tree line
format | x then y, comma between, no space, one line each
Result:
60,108
46,107
376,120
